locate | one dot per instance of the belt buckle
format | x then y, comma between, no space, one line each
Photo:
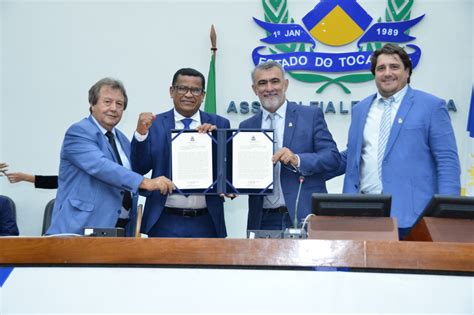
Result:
189,213
282,210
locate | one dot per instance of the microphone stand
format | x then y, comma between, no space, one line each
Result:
295,220
295,232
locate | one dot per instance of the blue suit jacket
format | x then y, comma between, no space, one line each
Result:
91,182
154,154
420,158
307,135
7,221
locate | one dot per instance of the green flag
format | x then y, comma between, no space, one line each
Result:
210,103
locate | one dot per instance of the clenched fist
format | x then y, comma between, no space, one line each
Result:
145,120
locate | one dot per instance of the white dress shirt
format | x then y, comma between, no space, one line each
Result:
178,200
369,177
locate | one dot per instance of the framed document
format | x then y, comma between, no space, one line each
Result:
237,161
193,163
249,159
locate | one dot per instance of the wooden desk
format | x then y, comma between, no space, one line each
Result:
353,228
238,253
128,275
443,230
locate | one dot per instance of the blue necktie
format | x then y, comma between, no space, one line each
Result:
186,122
384,131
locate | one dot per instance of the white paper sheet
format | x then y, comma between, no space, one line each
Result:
191,160
252,165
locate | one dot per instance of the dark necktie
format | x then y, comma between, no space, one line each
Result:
186,122
127,197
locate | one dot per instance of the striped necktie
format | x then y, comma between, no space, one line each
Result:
384,131
273,198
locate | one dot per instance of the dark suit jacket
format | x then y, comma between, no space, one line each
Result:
154,154
7,221
307,135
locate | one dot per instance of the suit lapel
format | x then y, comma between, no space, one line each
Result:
168,120
257,120
205,118
124,143
290,122
402,112
102,139
168,124
361,126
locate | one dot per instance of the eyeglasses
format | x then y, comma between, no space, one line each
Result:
181,90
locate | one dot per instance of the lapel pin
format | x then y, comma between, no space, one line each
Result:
400,120
290,124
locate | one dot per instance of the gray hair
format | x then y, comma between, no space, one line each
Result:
265,66
94,91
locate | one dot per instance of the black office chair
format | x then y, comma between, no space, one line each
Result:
48,214
12,205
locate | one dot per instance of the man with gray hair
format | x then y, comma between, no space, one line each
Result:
304,151
95,180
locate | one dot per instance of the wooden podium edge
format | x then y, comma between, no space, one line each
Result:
237,253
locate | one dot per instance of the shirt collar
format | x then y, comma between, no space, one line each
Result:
281,111
397,97
102,129
179,117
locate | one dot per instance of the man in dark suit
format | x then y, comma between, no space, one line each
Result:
7,220
413,155
304,147
95,180
177,215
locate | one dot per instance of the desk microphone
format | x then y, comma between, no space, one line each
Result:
295,220
295,232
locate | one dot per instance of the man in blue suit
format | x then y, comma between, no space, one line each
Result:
95,180
305,151
8,225
177,215
413,155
